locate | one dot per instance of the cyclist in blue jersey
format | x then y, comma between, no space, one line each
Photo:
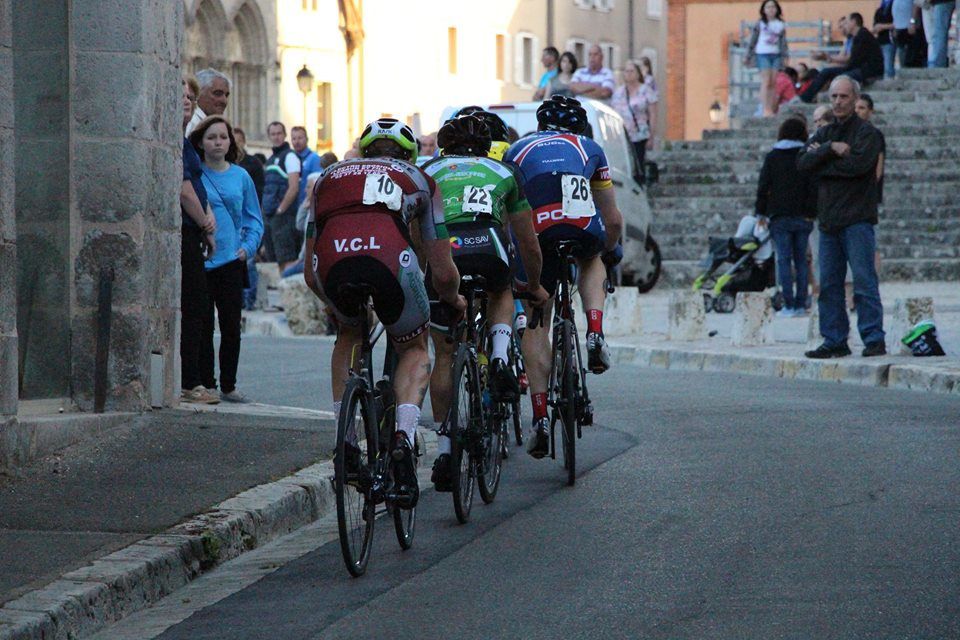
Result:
567,182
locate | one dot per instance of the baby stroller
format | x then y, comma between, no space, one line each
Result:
752,267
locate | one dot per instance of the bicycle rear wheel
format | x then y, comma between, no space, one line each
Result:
490,451
353,484
519,370
568,402
465,409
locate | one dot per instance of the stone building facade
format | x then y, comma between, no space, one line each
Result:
90,123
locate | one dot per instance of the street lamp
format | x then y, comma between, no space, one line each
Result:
305,82
716,112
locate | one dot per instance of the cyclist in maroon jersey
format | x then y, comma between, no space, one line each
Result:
372,216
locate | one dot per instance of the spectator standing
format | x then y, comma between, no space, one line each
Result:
239,229
250,163
883,29
843,158
594,80
309,160
908,32
634,101
939,34
785,199
197,232
280,191
649,78
253,166
550,58
212,99
428,148
768,51
865,62
560,83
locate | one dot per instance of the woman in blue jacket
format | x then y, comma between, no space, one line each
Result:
233,198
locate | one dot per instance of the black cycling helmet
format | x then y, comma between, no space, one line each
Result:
467,135
498,128
562,114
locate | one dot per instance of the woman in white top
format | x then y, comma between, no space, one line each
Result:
647,68
768,50
559,84
634,100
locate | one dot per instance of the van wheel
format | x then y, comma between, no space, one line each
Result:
651,265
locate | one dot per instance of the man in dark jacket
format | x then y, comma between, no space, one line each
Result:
843,159
865,62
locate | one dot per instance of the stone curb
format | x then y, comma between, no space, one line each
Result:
86,600
847,371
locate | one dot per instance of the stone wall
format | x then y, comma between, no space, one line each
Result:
8,245
125,139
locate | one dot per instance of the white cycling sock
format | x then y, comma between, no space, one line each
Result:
336,409
407,417
500,333
443,445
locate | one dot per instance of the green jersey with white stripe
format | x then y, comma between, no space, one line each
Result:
476,189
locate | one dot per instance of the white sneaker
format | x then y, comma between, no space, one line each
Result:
234,396
785,313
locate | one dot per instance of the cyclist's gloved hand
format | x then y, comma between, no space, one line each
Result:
612,257
538,296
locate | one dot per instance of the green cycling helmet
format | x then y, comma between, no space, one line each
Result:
393,130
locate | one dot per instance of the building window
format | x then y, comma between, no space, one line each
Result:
611,55
655,8
584,4
525,59
452,50
604,5
579,47
501,55
324,117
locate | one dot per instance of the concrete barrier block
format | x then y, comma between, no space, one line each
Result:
621,313
752,320
686,317
906,313
269,273
304,311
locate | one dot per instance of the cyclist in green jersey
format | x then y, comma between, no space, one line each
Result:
481,197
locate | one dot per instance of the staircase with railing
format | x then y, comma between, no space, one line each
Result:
706,186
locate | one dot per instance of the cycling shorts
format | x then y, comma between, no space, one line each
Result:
370,248
478,249
589,245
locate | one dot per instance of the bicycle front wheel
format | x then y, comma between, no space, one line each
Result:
568,403
354,465
465,411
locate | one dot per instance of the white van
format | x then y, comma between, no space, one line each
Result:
641,256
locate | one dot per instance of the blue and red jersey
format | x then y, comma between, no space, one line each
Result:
543,158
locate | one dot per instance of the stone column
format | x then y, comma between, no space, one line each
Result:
8,235
126,141
752,320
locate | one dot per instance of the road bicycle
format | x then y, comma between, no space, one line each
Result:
475,424
567,394
363,476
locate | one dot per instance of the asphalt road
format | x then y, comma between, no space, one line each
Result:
709,506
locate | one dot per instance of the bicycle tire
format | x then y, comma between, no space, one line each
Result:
405,520
490,452
464,409
568,405
355,503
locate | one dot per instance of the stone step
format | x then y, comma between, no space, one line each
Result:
947,245
938,124
684,222
707,174
708,167
898,149
681,273
934,200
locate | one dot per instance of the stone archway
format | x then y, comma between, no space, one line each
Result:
249,70
237,45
